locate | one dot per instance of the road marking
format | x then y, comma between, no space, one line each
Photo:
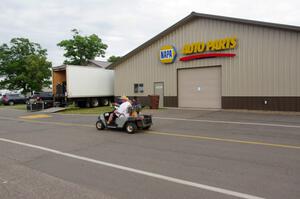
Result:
141,172
58,123
198,120
37,116
47,122
167,134
230,122
208,121
224,140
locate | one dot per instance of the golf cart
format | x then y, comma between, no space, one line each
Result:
130,124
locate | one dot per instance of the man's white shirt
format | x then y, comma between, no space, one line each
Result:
123,109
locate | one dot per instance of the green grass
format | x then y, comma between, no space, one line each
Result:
16,106
77,110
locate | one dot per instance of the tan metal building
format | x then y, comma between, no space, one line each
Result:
208,61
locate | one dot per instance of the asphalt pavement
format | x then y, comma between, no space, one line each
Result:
186,154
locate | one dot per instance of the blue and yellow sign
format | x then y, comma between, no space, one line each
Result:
167,54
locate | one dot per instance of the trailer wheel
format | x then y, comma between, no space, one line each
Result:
99,125
87,104
105,102
130,128
94,102
81,104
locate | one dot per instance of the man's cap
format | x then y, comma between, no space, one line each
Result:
124,98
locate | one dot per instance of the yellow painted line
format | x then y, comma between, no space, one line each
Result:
47,122
37,116
184,136
196,137
224,140
58,123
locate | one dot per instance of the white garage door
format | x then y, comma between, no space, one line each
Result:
200,87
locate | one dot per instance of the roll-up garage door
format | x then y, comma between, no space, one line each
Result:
199,87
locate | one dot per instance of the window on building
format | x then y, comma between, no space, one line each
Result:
141,88
138,88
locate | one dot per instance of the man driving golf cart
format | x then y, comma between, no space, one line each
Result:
121,111
124,118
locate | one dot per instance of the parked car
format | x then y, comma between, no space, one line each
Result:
11,99
45,97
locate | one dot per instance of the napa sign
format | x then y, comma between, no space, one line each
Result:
167,54
199,50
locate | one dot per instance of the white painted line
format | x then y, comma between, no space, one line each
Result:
145,173
229,122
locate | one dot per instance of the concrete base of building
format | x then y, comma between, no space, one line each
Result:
262,103
241,102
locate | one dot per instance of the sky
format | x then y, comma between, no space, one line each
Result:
123,24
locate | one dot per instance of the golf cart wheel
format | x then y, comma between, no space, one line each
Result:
99,125
130,128
11,103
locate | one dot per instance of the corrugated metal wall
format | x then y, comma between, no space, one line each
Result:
267,61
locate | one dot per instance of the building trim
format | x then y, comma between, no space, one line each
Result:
282,103
270,103
170,101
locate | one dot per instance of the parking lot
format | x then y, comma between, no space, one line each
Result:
186,154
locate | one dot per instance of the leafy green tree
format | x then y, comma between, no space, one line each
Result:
113,59
80,49
24,66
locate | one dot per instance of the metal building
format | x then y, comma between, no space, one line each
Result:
208,61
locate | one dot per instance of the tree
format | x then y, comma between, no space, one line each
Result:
24,66
114,59
80,49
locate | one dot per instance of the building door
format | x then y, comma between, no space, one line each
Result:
199,87
159,90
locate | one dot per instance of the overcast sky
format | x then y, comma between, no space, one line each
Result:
123,24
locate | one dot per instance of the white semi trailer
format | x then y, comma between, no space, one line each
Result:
87,86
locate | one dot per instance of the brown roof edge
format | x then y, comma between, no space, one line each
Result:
247,21
194,15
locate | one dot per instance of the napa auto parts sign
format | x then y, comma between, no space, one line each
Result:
167,54
199,50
